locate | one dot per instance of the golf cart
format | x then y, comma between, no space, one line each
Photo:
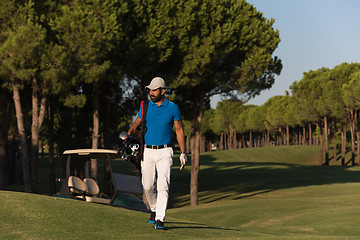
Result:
125,190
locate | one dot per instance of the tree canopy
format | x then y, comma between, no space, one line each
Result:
75,54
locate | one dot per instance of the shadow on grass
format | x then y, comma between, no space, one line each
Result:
187,225
220,179
236,180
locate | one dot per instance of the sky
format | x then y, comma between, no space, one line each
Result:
314,34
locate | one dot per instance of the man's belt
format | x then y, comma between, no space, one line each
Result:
158,146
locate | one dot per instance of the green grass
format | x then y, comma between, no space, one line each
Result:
260,193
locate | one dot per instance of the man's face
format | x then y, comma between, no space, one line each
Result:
156,95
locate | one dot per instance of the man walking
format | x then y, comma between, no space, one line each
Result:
161,116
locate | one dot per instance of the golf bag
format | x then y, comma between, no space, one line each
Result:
133,147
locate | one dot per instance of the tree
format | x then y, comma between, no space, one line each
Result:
149,48
351,89
241,123
308,93
5,7
276,110
89,30
225,45
292,117
24,56
226,114
256,123
347,75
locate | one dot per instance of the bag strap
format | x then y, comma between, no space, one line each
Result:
144,107
144,110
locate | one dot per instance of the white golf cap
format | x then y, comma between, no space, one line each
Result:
156,83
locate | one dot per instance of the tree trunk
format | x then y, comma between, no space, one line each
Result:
334,144
37,120
107,141
310,135
235,141
51,146
226,141
194,181
304,136
195,144
265,138
343,145
321,145
25,162
221,144
231,137
352,119
287,135
326,141
251,139
95,135
358,148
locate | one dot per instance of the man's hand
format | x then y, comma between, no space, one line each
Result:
183,160
180,136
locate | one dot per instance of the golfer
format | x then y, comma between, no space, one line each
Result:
161,116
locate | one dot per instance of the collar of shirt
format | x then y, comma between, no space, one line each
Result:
164,104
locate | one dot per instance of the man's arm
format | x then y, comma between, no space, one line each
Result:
134,125
180,136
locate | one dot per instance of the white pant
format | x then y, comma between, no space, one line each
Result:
157,163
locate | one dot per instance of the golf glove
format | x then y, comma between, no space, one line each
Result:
183,160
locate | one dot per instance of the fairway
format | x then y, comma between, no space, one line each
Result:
259,193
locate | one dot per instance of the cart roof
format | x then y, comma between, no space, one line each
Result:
93,153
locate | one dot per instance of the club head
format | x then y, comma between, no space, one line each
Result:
123,135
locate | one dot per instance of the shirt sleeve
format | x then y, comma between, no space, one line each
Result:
177,113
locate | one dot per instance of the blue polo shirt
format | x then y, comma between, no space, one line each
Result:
160,122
